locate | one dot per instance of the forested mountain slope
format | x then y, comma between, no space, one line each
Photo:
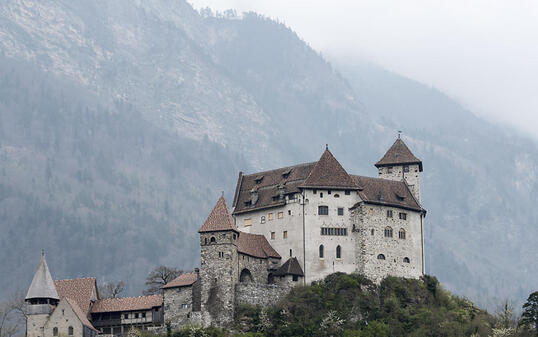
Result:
122,121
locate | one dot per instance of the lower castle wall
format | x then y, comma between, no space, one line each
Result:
262,295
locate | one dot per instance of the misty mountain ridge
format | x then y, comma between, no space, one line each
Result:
121,122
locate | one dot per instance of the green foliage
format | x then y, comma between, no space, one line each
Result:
529,318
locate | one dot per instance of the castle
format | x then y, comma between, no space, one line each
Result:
288,226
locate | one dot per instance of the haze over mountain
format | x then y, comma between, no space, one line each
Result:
121,123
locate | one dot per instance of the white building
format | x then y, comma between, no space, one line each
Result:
334,221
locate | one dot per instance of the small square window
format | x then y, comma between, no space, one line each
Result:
272,235
406,168
348,192
315,191
270,216
143,315
329,192
323,210
126,316
340,211
280,215
403,216
295,278
371,211
262,219
389,169
248,222
136,315
389,213
285,234
372,231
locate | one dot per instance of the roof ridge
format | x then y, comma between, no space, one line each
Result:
279,168
76,278
128,297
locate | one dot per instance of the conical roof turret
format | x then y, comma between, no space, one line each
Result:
399,154
220,219
42,284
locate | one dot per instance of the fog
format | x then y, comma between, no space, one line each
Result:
482,53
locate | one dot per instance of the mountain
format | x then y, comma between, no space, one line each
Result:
121,123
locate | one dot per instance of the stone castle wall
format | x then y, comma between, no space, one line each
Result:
412,177
263,295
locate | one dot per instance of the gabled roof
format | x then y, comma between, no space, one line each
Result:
220,219
42,285
386,192
290,267
127,303
329,173
80,314
399,154
255,245
81,290
182,280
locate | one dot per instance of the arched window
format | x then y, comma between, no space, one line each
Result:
245,276
213,240
338,252
388,232
55,331
70,331
406,260
401,234
381,257
321,251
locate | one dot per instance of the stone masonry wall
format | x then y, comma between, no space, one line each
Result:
175,300
62,318
257,267
263,295
397,173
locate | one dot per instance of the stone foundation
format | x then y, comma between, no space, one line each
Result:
257,294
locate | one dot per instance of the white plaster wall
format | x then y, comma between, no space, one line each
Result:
317,268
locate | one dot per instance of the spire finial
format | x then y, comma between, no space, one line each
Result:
399,133
326,146
222,194
42,252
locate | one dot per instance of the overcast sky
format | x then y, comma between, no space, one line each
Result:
483,53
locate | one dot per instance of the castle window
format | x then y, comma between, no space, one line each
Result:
248,222
323,210
70,331
329,192
270,216
389,169
340,211
205,241
337,195
338,252
55,331
406,168
388,232
235,236
403,216
401,234
372,231
258,179
389,213
320,195
347,192
245,276
285,234
272,235
291,253
136,315
321,251
280,215
381,257
289,211
295,278
406,260
315,191
143,315
371,211
262,219
125,316
212,240
248,203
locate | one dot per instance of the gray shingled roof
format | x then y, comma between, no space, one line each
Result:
399,154
42,284
290,267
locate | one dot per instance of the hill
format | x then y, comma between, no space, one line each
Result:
121,123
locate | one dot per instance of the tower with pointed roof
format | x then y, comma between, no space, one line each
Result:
219,261
41,299
400,164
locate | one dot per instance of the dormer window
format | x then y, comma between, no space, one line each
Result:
286,174
248,203
258,179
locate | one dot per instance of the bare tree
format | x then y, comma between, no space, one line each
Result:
12,315
158,277
111,289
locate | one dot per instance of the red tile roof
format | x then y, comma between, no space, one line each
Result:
182,280
220,219
80,314
329,173
399,154
79,290
255,245
127,303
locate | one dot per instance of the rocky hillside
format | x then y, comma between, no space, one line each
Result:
121,122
